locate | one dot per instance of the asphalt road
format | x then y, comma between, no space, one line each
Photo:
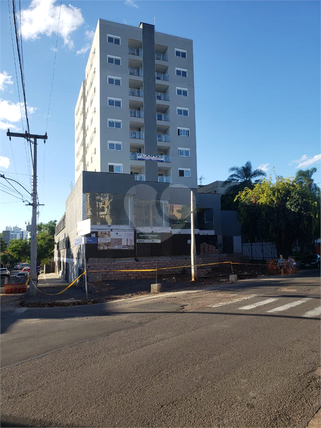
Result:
243,355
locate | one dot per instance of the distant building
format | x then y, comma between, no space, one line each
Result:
14,232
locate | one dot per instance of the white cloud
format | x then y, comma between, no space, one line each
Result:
11,113
43,17
89,35
5,80
264,167
305,161
4,162
131,3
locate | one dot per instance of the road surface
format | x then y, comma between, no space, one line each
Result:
238,355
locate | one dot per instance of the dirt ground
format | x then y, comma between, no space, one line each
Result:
209,275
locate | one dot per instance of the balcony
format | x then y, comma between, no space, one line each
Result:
135,51
139,177
136,135
135,71
161,76
161,56
164,179
164,138
136,113
163,117
161,96
136,93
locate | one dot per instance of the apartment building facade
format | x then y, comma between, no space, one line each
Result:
135,112
135,152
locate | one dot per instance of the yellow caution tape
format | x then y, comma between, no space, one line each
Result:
60,292
168,268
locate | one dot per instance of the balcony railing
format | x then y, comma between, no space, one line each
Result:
163,117
136,113
136,135
165,138
161,56
161,96
164,179
167,158
135,71
139,177
136,92
135,51
162,76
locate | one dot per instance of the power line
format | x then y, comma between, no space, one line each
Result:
54,65
21,68
15,65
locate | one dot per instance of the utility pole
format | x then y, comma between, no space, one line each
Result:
34,204
193,246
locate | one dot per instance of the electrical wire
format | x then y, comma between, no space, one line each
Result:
21,67
15,66
54,65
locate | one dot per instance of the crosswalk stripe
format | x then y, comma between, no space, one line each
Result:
261,303
313,313
288,306
239,299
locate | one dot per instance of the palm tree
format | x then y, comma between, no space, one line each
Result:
304,178
244,176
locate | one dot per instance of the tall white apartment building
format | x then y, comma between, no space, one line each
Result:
135,154
135,112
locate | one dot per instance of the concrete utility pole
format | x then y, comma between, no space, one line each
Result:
34,204
193,246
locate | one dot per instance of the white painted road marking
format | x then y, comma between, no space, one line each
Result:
288,306
261,303
313,313
239,299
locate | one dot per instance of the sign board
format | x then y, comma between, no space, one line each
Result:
79,241
143,156
91,240
116,240
84,227
148,238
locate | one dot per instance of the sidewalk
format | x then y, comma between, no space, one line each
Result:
54,291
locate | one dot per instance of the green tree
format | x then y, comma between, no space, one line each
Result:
19,249
45,247
48,228
244,176
241,178
46,241
284,212
304,178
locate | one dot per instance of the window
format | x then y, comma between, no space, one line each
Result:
184,172
113,60
181,72
182,111
113,39
183,132
114,102
115,167
181,53
114,123
111,80
114,145
184,152
182,91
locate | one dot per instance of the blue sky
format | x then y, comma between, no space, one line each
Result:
257,86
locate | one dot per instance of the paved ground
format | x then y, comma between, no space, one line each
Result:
53,291
166,360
